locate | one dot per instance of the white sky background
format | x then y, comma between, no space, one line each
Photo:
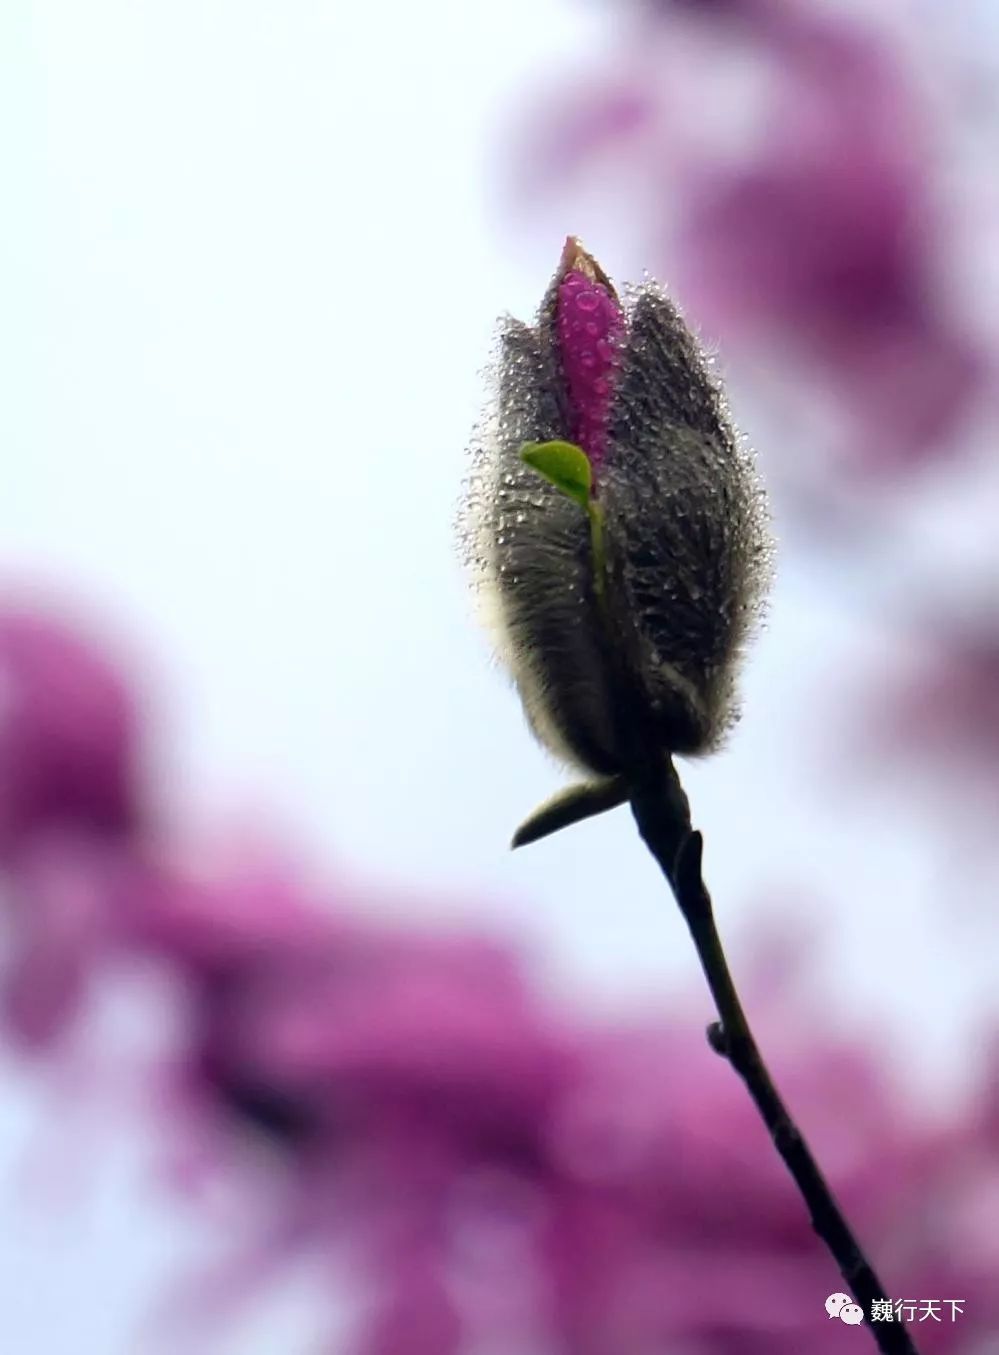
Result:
252,255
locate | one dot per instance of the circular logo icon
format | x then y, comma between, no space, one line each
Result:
835,1303
844,1307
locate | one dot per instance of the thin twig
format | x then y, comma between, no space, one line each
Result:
663,816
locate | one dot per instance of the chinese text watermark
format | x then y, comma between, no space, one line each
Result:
847,1310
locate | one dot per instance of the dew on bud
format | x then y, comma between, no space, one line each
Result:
650,640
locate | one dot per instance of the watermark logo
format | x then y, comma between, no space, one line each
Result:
844,1307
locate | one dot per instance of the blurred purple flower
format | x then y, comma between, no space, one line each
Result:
827,241
490,1173
62,899
69,805
368,1029
67,734
945,708
815,247
493,1169
930,716
655,1252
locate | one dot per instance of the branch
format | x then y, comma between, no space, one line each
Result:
662,813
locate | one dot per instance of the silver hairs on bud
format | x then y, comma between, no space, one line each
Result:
688,526
688,548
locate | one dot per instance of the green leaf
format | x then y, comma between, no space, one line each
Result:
565,465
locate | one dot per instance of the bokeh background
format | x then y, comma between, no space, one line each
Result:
253,256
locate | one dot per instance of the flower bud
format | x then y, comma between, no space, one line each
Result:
622,615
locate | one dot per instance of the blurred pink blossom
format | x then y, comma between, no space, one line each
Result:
943,708
67,734
62,898
927,717
814,244
490,1171
600,1190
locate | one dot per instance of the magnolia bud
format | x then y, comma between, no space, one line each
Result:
625,571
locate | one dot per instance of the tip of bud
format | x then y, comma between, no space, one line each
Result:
575,259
